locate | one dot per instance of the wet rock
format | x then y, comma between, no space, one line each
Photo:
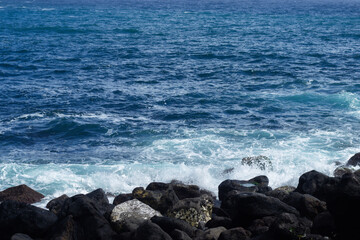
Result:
100,198
195,211
341,170
318,185
56,204
157,186
167,201
354,160
122,198
130,214
307,205
21,236
229,185
238,233
324,225
150,198
88,218
150,231
261,182
21,193
183,191
17,217
228,171
260,161
170,224
246,207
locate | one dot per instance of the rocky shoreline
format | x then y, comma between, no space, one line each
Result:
320,207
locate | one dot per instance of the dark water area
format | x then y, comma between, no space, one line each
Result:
157,87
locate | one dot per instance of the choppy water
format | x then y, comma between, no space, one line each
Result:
116,94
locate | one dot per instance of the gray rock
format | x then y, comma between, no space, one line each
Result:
21,236
195,211
354,160
127,215
260,161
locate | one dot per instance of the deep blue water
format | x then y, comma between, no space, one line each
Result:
116,94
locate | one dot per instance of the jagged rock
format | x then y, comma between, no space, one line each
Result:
122,198
100,198
260,161
289,226
244,207
56,204
21,236
133,212
318,185
344,206
217,221
183,191
324,225
229,185
341,170
262,181
21,193
354,160
150,231
179,235
17,217
307,205
194,211
158,186
91,223
211,234
167,200
238,233
170,224
150,198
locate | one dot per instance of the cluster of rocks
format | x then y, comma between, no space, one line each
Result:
320,207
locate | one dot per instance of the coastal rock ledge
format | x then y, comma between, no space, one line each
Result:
320,207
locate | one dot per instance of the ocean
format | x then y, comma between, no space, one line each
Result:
116,94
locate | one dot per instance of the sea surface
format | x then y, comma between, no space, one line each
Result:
115,94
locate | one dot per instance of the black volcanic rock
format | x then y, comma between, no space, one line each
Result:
21,193
245,207
88,217
354,160
229,185
16,217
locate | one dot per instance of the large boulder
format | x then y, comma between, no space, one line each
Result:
150,231
354,160
17,217
129,215
239,185
318,185
87,215
245,207
21,193
123,197
344,206
195,211
56,204
101,200
307,205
